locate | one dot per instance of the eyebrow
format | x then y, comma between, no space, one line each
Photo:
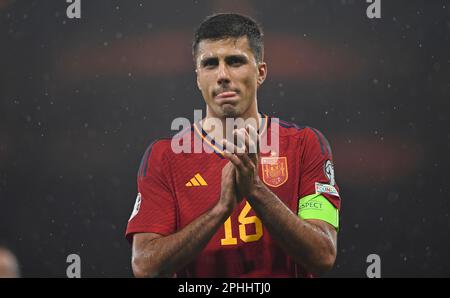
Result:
240,58
228,59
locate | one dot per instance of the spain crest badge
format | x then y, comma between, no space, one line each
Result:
274,170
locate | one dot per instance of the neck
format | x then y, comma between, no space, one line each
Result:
216,134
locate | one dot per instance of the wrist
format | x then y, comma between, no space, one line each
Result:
222,210
257,189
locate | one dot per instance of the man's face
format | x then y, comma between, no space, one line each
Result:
228,76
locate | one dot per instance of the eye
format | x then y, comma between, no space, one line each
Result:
235,61
209,63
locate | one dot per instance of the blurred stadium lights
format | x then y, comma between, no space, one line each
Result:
4,3
290,57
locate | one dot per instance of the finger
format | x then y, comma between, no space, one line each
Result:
229,155
242,161
232,146
250,147
243,137
240,142
228,146
237,163
247,161
254,136
246,139
253,143
228,167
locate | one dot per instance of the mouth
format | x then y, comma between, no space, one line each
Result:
226,97
226,94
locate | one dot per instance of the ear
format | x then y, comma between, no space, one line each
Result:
198,82
262,73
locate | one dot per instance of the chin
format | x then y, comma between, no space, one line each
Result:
229,111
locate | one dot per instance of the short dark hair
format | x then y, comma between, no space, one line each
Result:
230,25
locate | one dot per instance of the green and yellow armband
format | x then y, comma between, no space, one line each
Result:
316,206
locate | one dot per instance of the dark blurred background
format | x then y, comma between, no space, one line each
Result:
80,100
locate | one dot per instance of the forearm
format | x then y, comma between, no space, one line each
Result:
166,255
306,243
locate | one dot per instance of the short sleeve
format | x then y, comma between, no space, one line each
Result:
317,168
155,207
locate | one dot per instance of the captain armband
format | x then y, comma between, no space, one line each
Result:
316,206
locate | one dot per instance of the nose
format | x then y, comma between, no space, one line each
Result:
223,76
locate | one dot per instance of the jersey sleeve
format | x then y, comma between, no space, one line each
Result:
317,174
155,207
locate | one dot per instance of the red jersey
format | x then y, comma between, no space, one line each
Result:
175,189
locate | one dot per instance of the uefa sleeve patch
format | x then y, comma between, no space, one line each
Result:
137,206
326,189
328,170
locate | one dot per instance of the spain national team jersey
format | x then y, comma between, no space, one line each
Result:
175,189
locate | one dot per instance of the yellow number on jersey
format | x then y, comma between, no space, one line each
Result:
243,220
228,240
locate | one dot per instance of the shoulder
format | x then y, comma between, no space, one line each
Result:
162,146
158,147
155,151
295,130
160,150
308,135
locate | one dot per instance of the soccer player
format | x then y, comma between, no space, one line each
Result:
231,214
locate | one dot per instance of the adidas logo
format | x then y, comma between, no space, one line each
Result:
197,181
